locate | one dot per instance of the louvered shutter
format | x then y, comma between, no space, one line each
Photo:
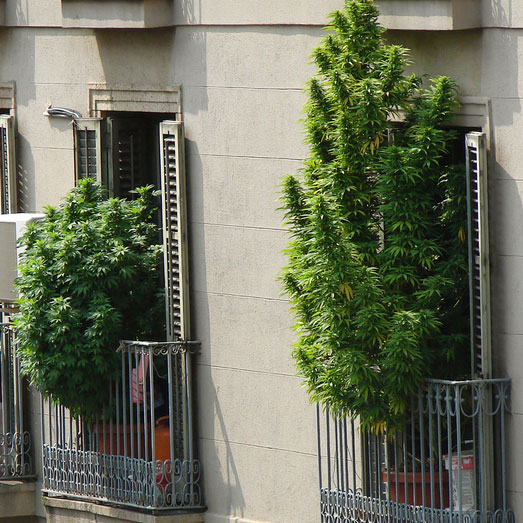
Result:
88,148
7,165
126,164
479,273
174,229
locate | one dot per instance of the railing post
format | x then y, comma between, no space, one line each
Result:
487,448
5,379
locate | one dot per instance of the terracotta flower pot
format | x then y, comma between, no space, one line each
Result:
120,435
415,485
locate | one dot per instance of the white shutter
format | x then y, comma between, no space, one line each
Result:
7,165
88,148
174,221
479,273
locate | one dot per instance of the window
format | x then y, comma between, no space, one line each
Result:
127,150
404,475
469,149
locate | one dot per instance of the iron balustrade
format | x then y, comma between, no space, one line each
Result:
446,465
15,441
140,453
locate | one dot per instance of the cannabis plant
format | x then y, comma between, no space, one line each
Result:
377,271
90,276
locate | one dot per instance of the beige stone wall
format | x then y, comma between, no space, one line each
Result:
242,67
242,99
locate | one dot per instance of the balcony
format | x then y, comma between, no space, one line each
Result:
448,465
118,14
427,15
139,453
15,439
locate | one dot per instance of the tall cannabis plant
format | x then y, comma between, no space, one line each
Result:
377,271
90,276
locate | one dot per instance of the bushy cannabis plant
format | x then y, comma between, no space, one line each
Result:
90,276
377,270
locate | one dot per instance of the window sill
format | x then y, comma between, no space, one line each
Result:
117,14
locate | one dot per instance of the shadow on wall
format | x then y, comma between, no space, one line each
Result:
189,60
25,92
505,201
149,58
188,12
457,54
220,475
19,49
228,494
25,168
501,58
136,57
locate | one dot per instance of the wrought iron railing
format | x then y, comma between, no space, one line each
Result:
142,455
15,441
447,465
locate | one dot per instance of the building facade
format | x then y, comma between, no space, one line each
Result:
234,73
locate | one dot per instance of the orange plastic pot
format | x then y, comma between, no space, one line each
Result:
163,449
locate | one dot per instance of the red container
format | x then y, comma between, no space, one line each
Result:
108,440
414,481
163,450
161,439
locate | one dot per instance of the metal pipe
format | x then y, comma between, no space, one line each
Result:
353,456
124,406
457,399
328,440
17,390
152,414
501,396
318,433
188,403
145,402
171,409
111,427
449,450
346,448
421,420
431,448
481,450
131,423
336,452
118,421
5,380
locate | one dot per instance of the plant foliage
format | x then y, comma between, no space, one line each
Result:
377,270
90,276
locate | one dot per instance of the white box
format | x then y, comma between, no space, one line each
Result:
466,496
12,227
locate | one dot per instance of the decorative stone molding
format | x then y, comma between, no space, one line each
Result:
103,98
426,15
474,111
60,510
127,14
7,96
